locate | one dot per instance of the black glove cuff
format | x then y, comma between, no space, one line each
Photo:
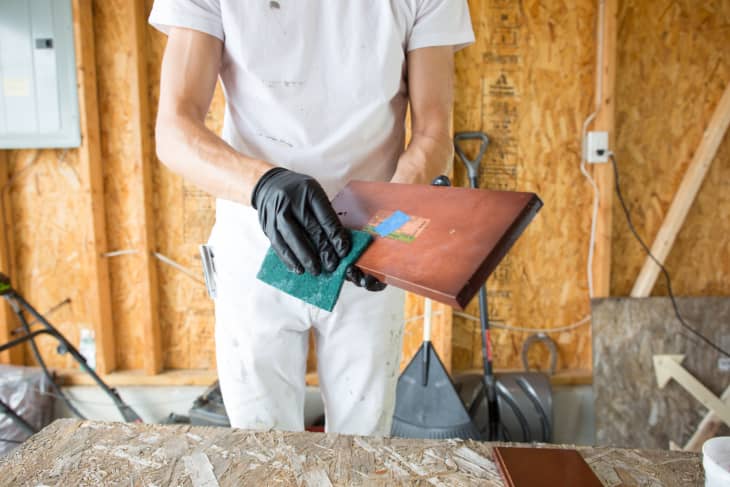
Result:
262,182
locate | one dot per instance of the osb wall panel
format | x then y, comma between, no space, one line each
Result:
46,200
123,198
45,195
673,65
528,83
524,81
628,334
185,216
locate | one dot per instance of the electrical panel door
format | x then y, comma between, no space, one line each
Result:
38,92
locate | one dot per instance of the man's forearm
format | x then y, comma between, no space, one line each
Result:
430,95
189,148
190,69
426,158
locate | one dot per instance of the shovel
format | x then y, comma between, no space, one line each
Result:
490,385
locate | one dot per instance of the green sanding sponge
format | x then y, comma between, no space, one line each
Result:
322,290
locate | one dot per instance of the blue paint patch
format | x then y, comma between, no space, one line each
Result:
392,223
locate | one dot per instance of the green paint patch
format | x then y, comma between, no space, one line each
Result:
402,237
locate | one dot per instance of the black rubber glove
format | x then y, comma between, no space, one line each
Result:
360,279
299,220
365,281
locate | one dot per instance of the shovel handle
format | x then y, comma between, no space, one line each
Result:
427,318
472,165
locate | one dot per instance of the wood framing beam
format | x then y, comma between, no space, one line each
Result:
98,294
8,321
668,367
685,196
177,377
603,173
442,334
197,377
707,428
140,115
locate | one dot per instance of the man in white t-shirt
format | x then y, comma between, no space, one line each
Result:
316,96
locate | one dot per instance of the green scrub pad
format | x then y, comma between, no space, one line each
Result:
322,290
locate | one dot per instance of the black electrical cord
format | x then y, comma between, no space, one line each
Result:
665,273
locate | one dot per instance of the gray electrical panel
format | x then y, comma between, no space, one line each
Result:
38,94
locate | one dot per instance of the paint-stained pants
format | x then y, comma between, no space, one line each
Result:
262,344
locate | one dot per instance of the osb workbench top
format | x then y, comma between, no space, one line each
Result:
71,452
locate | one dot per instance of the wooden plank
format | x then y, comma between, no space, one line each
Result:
707,428
668,367
178,454
685,196
141,132
8,322
573,377
449,257
98,295
170,377
603,173
624,329
177,377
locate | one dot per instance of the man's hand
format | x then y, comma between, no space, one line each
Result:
299,220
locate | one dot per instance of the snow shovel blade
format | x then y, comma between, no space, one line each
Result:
433,410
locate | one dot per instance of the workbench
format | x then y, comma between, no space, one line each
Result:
72,452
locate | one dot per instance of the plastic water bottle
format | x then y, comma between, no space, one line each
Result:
87,347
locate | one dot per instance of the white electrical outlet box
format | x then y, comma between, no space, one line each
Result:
38,94
596,147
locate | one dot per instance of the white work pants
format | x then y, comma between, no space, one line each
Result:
262,343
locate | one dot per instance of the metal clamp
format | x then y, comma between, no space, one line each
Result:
208,258
552,347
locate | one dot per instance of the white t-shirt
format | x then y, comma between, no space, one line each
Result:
318,86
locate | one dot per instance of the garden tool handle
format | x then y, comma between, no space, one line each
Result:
427,316
427,319
472,165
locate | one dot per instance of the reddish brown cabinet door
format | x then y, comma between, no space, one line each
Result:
443,242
